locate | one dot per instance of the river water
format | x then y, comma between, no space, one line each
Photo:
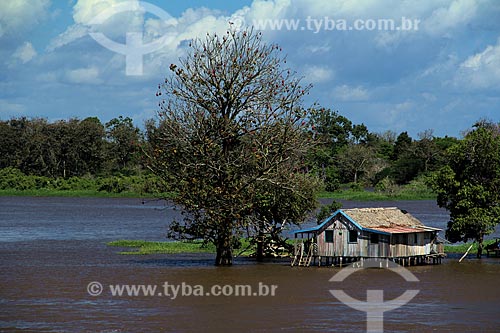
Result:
52,248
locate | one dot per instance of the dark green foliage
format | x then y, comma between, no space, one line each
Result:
335,136
403,143
11,178
123,142
14,179
332,179
343,152
327,210
68,148
278,207
330,128
469,185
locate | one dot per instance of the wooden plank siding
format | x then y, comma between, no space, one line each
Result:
381,245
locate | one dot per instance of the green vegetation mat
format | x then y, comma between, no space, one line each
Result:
143,247
462,248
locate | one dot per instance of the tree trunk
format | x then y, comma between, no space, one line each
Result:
260,247
480,247
224,248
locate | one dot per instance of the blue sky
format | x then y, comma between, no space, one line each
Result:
444,75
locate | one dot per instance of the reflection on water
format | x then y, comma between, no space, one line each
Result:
51,248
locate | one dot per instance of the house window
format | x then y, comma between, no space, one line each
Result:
353,236
374,238
329,236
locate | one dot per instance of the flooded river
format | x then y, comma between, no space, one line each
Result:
52,249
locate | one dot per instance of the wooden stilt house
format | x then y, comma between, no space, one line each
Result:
352,234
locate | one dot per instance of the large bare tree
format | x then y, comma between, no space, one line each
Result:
232,131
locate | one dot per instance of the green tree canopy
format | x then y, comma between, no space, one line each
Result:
469,185
232,135
123,143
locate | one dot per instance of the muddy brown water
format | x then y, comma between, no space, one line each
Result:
52,248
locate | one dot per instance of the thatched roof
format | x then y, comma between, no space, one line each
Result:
382,217
390,220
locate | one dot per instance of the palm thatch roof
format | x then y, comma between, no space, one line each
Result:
382,217
392,220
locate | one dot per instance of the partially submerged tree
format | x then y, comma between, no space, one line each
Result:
469,186
231,128
277,207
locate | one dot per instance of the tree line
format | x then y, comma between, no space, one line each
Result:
69,148
344,153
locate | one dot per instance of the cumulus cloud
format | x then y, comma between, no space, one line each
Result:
85,11
481,70
25,52
261,9
21,15
346,93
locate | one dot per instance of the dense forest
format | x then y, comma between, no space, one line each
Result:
83,154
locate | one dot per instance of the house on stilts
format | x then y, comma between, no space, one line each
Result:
354,234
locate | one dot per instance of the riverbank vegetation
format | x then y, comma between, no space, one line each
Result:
14,182
87,158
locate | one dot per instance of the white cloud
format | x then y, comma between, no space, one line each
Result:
440,67
21,15
25,52
71,34
317,74
261,9
318,49
89,75
84,11
346,93
481,70
457,14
